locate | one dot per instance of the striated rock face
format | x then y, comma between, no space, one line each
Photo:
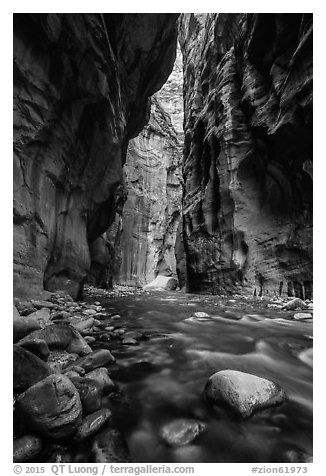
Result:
248,152
152,212
82,84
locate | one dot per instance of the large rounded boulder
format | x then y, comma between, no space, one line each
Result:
244,393
51,408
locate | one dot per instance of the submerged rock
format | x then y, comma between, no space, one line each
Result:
302,315
26,448
51,408
189,454
181,432
295,456
244,393
129,341
109,446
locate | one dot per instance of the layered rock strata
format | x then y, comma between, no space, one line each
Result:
248,152
82,84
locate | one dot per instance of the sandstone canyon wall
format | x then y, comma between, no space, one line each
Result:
248,152
82,84
152,212
140,243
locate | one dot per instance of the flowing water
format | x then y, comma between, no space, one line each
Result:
163,378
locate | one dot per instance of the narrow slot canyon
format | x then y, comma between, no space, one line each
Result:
163,238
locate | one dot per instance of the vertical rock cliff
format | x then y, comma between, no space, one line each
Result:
248,152
152,211
140,243
82,84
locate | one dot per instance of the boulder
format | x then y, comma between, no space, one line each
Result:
302,315
129,341
101,375
42,316
134,335
44,304
22,326
89,339
181,432
28,369
243,392
162,282
90,393
38,347
89,312
81,323
26,448
200,314
51,408
96,359
109,446
25,308
92,424
61,336
295,303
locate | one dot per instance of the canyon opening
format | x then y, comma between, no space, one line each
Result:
163,213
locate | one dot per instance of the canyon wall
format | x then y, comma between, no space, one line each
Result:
140,243
82,84
247,168
152,212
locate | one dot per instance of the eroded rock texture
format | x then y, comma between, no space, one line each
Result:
248,152
140,243
82,84
152,211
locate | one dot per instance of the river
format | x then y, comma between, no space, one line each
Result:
163,377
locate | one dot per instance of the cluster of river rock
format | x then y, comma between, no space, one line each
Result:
63,392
